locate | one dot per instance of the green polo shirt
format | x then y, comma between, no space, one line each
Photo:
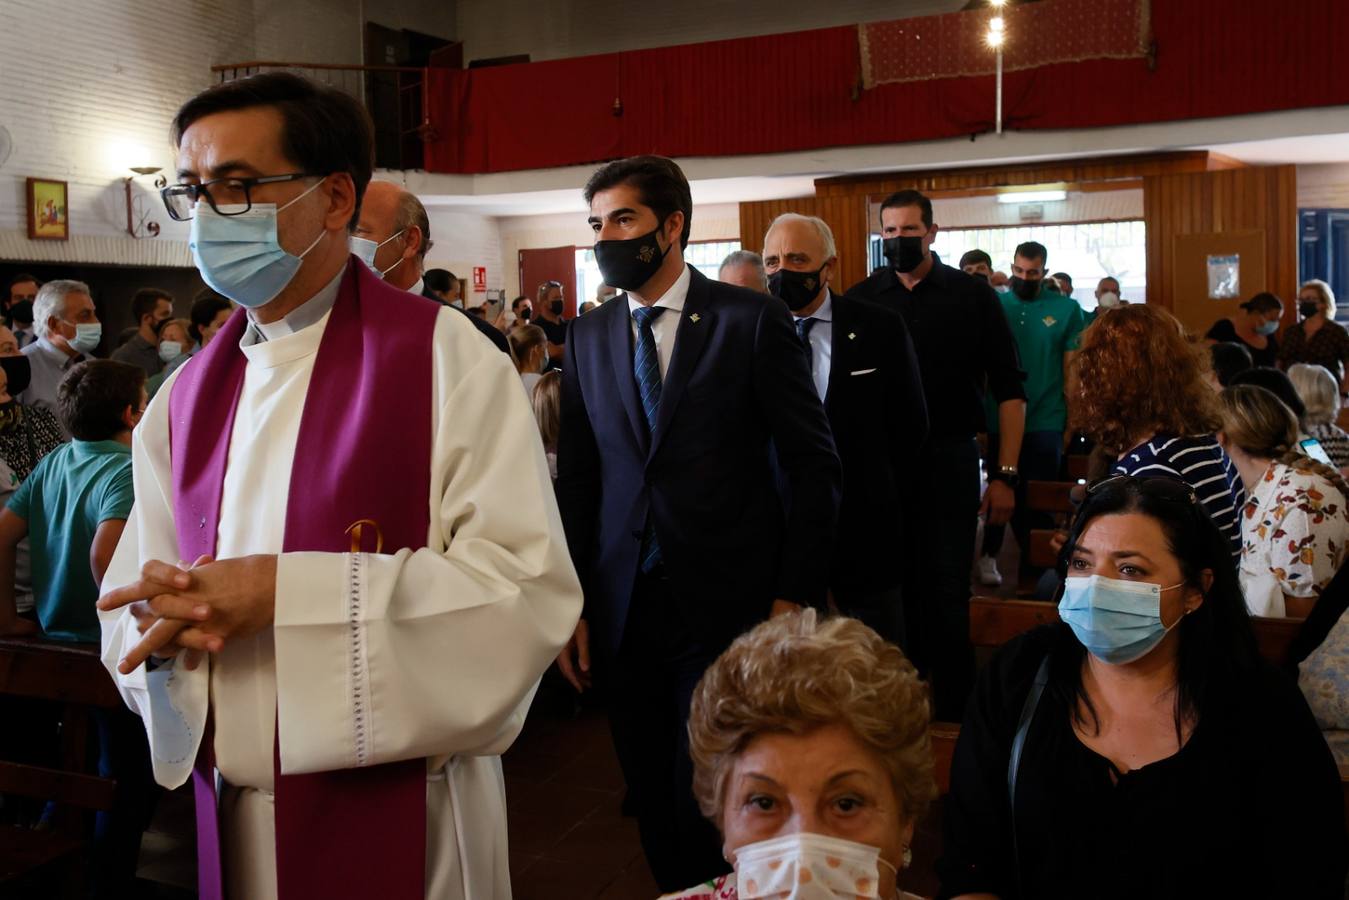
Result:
1044,328
75,488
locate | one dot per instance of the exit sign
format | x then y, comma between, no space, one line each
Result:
479,279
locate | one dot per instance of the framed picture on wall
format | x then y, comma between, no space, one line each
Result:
48,213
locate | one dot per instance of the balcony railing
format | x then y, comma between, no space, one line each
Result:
395,96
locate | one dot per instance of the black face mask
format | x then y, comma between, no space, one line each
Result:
22,314
627,265
556,307
905,252
19,372
1023,288
796,289
525,314
1308,308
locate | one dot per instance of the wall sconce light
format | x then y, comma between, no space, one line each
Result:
138,221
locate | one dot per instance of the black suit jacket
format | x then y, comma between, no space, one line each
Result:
737,405
878,416
488,331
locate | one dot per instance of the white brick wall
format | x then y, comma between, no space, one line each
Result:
461,241
88,88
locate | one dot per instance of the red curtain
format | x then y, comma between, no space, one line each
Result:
801,91
552,264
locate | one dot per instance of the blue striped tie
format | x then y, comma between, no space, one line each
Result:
803,327
646,368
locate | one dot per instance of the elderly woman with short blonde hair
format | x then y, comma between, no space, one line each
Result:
1320,396
811,755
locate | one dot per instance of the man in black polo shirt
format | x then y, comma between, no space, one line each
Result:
963,344
548,316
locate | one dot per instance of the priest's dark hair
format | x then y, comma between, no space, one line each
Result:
909,198
660,185
93,395
324,130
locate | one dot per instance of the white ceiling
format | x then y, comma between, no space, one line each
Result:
1309,136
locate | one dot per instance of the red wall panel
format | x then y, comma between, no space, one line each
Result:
796,91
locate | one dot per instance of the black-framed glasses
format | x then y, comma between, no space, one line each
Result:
1159,486
235,194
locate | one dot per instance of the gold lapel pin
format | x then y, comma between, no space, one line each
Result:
694,317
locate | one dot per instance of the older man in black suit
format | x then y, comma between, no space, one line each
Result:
866,373
682,400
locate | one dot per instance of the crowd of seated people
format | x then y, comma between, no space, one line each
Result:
1146,710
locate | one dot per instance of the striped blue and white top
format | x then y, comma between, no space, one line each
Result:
1204,466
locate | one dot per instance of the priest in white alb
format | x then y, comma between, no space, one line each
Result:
345,571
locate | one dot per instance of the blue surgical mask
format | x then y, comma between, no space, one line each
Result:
239,255
365,250
1267,328
1117,621
170,350
87,337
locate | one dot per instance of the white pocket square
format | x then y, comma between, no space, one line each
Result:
863,372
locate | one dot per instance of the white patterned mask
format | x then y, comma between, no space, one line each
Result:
807,866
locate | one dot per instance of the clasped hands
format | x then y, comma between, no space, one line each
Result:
195,609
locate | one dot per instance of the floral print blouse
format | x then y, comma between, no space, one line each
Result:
1294,531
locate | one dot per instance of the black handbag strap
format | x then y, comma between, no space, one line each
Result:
1037,688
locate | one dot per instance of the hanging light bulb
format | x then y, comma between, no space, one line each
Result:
996,24
994,38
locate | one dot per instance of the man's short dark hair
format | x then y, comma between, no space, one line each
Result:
974,257
1062,276
22,278
205,307
437,279
1229,360
515,304
1032,250
324,130
660,185
93,394
909,198
145,301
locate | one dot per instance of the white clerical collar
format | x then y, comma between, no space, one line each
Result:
672,299
419,288
826,311
308,313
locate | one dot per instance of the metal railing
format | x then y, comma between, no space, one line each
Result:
395,96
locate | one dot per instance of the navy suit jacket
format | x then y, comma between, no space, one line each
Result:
878,415
737,405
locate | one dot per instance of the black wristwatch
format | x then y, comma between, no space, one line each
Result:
1008,475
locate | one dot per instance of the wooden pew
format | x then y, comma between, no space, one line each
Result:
72,676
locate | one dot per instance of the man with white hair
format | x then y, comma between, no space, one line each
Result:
68,329
866,373
744,268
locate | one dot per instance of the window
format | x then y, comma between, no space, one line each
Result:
1088,252
705,256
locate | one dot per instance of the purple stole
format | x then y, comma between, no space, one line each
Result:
363,459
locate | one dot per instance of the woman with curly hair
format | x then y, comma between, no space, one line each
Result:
811,755
1138,390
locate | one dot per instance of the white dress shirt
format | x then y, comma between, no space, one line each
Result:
821,343
665,325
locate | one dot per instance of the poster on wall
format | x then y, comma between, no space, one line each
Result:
1224,277
48,217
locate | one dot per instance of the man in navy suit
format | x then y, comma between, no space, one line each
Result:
866,372
685,403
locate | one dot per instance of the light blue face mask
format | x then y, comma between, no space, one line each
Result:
1267,328
87,337
365,250
1117,621
239,255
